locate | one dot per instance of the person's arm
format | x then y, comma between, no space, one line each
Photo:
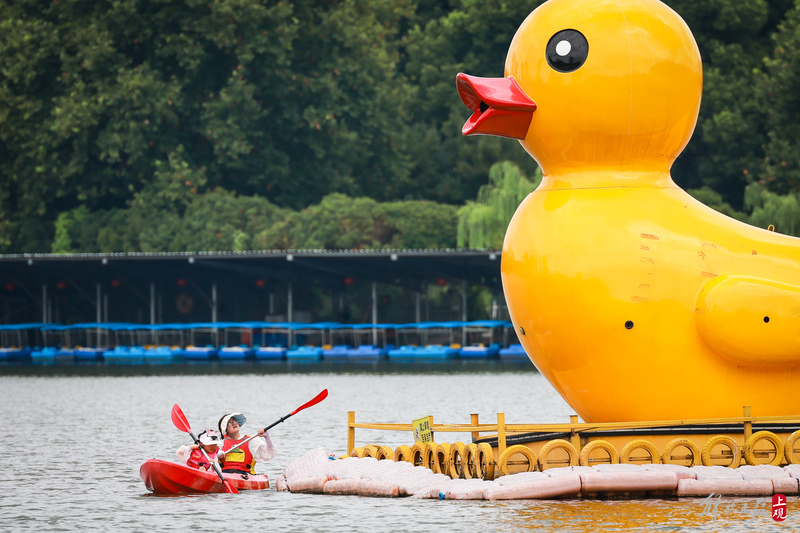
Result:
262,448
184,452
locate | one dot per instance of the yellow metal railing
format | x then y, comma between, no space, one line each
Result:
574,428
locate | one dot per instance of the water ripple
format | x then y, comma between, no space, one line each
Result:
90,434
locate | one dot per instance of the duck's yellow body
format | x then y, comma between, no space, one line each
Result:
636,301
614,290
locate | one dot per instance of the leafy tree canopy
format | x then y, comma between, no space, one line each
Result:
283,99
483,223
770,209
343,223
780,92
114,112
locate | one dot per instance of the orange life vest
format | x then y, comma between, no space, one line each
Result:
197,459
239,459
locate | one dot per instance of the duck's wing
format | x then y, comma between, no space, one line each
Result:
750,321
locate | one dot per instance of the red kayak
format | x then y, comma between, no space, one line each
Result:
165,477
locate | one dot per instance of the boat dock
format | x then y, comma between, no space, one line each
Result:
127,343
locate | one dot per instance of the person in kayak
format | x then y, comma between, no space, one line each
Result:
192,455
243,459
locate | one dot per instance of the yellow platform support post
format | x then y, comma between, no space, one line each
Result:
473,418
351,432
574,437
748,424
501,432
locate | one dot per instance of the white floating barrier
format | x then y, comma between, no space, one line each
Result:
416,483
465,489
762,472
703,473
280,483
793,470
641,480
785,485
725,486
383,489
683,472
617,467
341,486
522,477
568,470
313,484
536,489
435,484
317,472
307,464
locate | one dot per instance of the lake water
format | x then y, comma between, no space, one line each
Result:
77,435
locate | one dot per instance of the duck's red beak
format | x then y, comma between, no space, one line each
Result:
499,104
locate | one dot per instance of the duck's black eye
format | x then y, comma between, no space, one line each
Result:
567,50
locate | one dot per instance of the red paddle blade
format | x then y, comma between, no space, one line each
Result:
318,398
179,419
230,489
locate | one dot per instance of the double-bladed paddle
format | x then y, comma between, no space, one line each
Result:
179,419
314,401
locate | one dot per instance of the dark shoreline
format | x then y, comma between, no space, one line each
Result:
452,366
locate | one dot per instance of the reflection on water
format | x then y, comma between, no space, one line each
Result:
679,514
217,367
86,430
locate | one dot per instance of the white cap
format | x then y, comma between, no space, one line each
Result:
223,422
209,437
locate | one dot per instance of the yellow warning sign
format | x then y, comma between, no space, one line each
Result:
422,429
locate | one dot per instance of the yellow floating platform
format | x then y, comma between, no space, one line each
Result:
515,448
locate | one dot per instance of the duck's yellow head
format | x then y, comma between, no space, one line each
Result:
594,84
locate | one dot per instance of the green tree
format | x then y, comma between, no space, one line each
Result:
338,222
483,223
417,224
219,221
291,100
94,94
67,223
771,209
726,151
343,223
333,117
156,210
780,88
172,217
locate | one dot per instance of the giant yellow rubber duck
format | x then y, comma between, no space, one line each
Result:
635,301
